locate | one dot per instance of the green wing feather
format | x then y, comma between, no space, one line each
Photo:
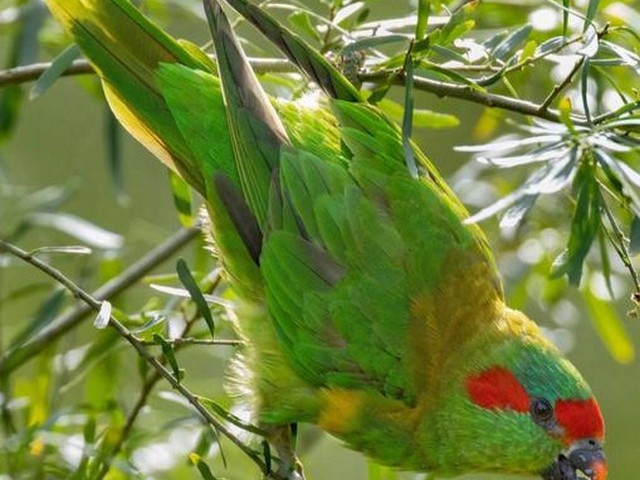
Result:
318,215
397,240
309,60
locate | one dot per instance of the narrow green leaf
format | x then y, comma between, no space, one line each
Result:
550,45
187,280
23,50
450,34
153,325
584,227
230,417
203,468
266,452
302,21
53,73
565,16
494,78
621,177
514,216
69,249
492,42
379,93
584,88
181,199
170,355
445,52
605,261
407,120
10,102
347,12
512,41
627,57
78,228
634,236
451,75
609,327
528,51
510,144
424,10
591,12
89,431
372,42
113,140
205,441
591,43
89,434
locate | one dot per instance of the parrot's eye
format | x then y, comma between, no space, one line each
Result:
541,410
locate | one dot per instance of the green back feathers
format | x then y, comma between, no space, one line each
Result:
331,190
373,239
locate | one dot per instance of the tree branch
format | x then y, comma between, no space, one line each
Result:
146,390
19,355
557,89
465,92
261,65
30,73
180,341
124,332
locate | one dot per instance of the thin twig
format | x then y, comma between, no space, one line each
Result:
143,396
557,89
609,115
30,73
195,341
141,401
535,58
20,354
465,92
124,332
621,247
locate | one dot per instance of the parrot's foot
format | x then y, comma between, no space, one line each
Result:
281,438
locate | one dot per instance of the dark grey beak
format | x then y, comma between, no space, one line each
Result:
585,457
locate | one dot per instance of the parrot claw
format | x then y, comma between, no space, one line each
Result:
289,467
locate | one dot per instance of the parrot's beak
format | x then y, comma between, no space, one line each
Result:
584,459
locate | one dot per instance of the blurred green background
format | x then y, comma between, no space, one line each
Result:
60,140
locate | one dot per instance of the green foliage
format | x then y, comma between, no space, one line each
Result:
558,163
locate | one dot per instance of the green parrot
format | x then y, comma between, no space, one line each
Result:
367,306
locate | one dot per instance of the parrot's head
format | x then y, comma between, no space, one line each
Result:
523,408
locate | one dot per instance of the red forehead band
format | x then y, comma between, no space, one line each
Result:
498,389
580,419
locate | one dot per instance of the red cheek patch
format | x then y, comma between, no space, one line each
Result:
498,389
580,419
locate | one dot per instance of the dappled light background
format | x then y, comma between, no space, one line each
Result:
59,148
